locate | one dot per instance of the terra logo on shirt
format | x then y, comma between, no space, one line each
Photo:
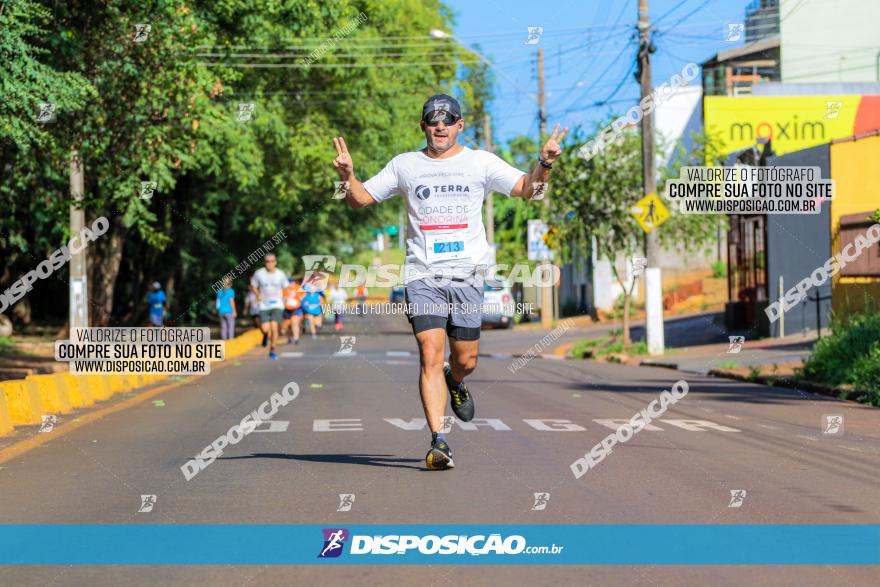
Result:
423,192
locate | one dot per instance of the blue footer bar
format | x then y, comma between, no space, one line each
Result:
268,544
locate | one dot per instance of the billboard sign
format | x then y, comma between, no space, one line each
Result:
792,123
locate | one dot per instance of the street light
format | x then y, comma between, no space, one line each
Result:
439,34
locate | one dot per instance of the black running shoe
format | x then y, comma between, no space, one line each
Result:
440,456
265,340
462,402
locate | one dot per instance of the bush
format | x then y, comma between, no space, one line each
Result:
719,269
851,355
866,376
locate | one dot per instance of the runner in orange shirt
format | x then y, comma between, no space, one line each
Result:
293,295
360,293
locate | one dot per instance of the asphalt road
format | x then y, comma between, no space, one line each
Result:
357,428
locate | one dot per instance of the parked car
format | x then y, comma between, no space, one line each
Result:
498,305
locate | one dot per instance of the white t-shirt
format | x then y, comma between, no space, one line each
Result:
337,294
444,201
271,287
337,297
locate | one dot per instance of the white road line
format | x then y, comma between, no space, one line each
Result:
348,354
806,437
397,353
732,417
273,426
768,427
292,355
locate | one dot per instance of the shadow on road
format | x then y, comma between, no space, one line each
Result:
343,459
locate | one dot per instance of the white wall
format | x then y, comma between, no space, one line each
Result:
829,40
677,117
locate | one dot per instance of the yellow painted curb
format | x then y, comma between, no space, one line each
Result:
25,405
24,401
563,349
66,390
99,386
77,389
131,381
5,418
55,400
17,449
116,382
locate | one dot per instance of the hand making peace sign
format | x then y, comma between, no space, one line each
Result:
342,163
551,150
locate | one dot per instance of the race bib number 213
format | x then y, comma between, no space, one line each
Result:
446,247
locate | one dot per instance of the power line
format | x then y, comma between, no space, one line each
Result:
602,46
481,37
670,11
683,18
613,93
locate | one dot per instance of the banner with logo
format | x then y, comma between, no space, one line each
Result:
491,544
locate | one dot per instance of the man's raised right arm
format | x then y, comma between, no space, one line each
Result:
355,194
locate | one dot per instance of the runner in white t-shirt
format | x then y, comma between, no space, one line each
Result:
444,185
268,284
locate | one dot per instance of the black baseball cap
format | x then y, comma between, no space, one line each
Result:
441,102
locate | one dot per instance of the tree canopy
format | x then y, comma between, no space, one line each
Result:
229,107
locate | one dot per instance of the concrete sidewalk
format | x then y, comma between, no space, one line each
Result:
702,359
695,343
701,328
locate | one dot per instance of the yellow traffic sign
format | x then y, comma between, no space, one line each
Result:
650,212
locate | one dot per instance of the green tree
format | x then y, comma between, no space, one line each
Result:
165,109
512,214
29,150
692,231
593,199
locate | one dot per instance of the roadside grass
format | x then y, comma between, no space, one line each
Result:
366,258
849,356
606,345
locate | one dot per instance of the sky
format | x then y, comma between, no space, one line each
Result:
589,52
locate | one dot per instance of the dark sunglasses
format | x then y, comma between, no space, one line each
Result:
434,118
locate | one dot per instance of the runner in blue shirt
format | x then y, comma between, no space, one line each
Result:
157,300
226,309
311,305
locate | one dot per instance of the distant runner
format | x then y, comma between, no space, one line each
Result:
337,296
252,308
311,304
361,292
226,310
268,284
293,311
157,301
444,185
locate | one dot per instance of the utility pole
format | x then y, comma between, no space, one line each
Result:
653,278
490,213
78,284
545,292
542,105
